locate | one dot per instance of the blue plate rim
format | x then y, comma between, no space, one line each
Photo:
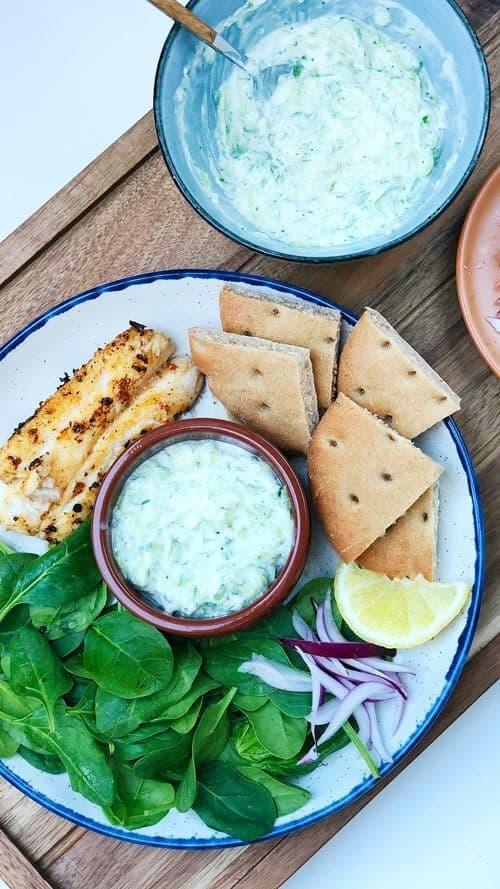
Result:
463,644
359,254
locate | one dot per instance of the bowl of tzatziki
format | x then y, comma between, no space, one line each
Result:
201,527
374,125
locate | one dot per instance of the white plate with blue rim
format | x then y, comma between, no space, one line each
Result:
31,365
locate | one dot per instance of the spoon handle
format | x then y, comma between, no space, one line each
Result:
187,19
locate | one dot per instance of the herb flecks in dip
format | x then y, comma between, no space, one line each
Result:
202,527
345,143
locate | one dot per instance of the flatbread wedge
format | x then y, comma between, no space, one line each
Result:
384,374
44,454
267,385
408,548
364,476
283,319
172,390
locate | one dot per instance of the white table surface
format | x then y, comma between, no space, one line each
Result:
75,74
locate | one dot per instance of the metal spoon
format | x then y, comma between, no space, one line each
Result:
264,79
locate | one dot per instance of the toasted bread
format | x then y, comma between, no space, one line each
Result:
267,385
282,319
384,374
364,476
408,548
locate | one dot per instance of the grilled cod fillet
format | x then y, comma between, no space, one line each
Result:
43,455
172,390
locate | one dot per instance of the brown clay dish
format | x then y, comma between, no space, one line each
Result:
478,269
110,489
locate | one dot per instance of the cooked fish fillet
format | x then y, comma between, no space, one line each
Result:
45,453
172,390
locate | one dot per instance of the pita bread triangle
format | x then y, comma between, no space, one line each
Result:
363,475
382,373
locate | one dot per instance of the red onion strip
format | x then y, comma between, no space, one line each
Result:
277,675
336,649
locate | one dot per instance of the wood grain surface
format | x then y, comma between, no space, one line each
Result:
123,215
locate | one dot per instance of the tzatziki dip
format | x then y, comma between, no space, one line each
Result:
202,528
345,142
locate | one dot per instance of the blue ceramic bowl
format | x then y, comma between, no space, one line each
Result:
185,130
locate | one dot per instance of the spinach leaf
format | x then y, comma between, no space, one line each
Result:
249,702
116,717
187,663
69,617
44,762
292,703
170,756
67,644
8,744
283,736
11,565
74,665
313,591
209,739
126,656
229,802
36,671
186,723
15,705
64,573
287,797
84,761
143,741
200,686
138,802
17,618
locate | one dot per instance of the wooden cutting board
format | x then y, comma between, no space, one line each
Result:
123,215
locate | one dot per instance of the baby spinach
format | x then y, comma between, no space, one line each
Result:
186,723
283,736
138,802
143,741
65,572
287,797
249,702
229,802
170,755
126,656
314,591
44,762
69,617
8,744
209,739
67,644
36,671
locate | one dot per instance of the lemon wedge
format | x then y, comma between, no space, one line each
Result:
396,613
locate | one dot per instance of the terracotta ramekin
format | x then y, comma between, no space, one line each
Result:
181,430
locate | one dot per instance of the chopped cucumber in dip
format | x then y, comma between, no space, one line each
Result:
345,143
202,527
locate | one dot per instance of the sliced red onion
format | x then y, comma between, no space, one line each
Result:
376,735
386,666
329,683
333,666
399,708
370,673
301,628
337,649
317,691
331,627
321,625
277,675
343,712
